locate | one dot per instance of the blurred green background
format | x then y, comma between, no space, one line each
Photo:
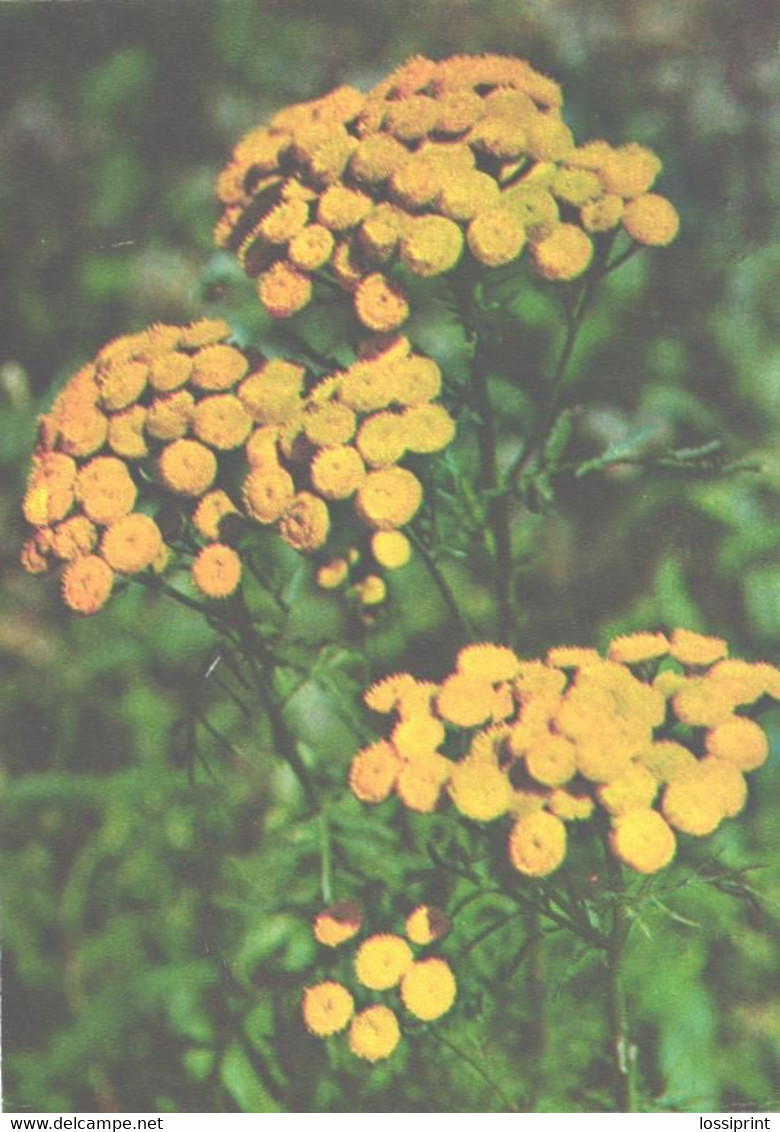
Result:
156,921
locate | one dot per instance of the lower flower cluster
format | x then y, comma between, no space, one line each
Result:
382,962
657,735
176,419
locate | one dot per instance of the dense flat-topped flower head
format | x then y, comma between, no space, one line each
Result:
648,737
225,433
462,160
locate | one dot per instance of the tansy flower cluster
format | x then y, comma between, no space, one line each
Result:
657,736
354,571
383,962
179,414
465,158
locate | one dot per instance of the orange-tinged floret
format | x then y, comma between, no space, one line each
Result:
120,385
267,493
305,523
338,923
380,303
420,782
221,421
218,367
564,254
50,488
537,844
284,290
86,583
651,220
126,433
170,371
373,772
212,508
73,536
496,236
389,498
427,923
131,543
694,649
187,467
105,489
311,248
337,473
635,648
216,570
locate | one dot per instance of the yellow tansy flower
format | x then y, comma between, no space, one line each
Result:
693,649
380,304
187,467
426,924
374,1033
638,647
479,790
428,989
305,523
338,923
86,583
216,570
642,840
564,254
739,741
391,549
373,772
337,473
537,844
327,1008
382,960
389,498
651,219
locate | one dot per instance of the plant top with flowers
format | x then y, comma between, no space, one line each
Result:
188,462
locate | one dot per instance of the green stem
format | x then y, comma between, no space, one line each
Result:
498,505
557,384
442,585
261,664
326,860
536,989
622,1050
490,482
494,1086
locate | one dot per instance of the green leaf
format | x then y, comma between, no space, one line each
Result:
629,448
243,1084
